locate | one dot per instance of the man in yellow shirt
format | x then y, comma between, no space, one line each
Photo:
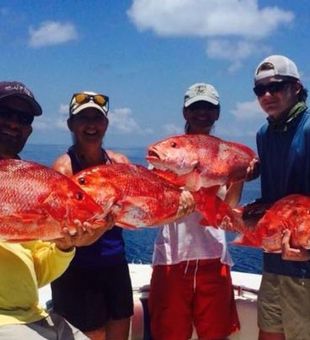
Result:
25,267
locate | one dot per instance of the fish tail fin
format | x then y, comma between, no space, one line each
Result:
206,203
216,212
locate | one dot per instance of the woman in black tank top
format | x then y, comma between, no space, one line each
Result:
100,306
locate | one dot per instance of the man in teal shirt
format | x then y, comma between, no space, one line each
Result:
283,145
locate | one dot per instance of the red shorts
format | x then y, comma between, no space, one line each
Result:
198,293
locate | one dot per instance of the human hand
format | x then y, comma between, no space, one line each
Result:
292,254
83,236
253,169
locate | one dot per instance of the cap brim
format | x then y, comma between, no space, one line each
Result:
87,106
265,74
201,98
36,108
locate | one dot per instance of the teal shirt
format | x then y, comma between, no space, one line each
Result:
285,169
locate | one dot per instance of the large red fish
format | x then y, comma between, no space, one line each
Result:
38,202
200,160
138,197
291,212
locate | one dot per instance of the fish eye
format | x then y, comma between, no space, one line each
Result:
82,180
173,144
79,196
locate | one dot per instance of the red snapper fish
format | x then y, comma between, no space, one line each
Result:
200,160
291,212
137,197
38,202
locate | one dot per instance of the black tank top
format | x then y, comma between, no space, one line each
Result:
76,164
109,249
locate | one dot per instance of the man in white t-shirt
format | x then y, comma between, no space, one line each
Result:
191,283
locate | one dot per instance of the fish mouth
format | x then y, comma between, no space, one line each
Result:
153,155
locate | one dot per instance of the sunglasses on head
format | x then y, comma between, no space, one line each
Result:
20,117
99,99
272,88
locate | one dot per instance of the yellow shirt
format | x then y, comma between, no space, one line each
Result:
25,267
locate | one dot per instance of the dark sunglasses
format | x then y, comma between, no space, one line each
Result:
272,88
99,99
20,117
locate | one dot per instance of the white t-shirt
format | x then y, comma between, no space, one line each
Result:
186,239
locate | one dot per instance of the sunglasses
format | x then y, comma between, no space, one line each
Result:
20,117
272,88
99,99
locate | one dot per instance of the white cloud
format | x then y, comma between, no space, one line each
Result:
122,121
61,123
246,111
212,18
58,121
233,28
234,50
64,108
52,33
61,120
242,123
40,124
172,129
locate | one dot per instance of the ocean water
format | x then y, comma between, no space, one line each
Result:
139,242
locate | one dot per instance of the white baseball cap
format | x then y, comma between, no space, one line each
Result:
201,91
276,65
87,99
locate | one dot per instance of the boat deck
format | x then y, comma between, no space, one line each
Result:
246,286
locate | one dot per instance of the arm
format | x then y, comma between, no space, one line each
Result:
49,261
117,157
63,165
233,194
253,171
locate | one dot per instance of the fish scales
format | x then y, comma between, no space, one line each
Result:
201,160
38,202
291,212
138,197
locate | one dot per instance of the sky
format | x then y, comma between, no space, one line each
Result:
144,54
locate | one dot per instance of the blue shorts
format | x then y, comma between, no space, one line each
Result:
89,297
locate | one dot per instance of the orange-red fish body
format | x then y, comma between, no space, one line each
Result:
291,212
38,202
138,197
201,160
135,195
